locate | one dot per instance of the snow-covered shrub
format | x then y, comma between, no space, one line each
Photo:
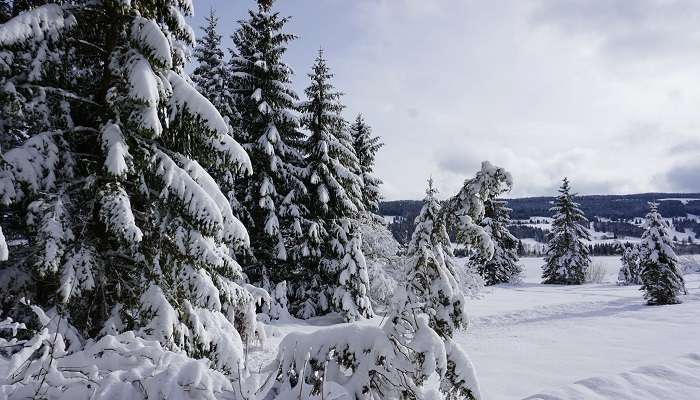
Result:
365,362
53,362
595,273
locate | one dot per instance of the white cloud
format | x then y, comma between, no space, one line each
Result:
598,91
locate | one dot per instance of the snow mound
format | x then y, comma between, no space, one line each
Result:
679,379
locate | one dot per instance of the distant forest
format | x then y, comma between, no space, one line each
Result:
615,214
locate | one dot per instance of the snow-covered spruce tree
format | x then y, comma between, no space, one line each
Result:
503,266
211,74
466,211
335,197
272,197
662,281
433,290
108,170
430,276
567,256
629,268
366,147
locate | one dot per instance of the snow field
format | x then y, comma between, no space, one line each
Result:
593,341
531,338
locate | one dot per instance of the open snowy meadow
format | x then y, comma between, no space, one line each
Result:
591,341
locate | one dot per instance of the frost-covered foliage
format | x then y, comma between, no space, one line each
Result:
279,307
348,287
467,209
396,361
384,263
366,147
629,273
567,256
335,197
57,363
211,76
503,266
268,128
662,281
107,149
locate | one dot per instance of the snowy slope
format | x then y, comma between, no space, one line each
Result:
559,341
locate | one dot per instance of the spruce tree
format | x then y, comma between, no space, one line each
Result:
466,211
271,199
503,266
335,196
366,147
431,270
211,76
567,256
630,268
106,175
662,281
433,290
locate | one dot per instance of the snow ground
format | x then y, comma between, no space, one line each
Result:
592,341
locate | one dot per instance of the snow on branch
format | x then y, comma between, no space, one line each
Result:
233,229
150,38
118,160
121,366
39,23
33,164
467,209
186,98
115,213
197,203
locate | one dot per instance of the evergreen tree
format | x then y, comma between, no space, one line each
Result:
366,147
434,292
662,281
431,272
106,175
467,209
567,255
268,129
211,76
630,269
503,266
335,196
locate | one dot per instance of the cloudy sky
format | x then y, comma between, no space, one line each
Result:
605,92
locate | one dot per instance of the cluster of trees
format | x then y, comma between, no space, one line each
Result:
153,213
626,207
618,228
312,178
653,264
